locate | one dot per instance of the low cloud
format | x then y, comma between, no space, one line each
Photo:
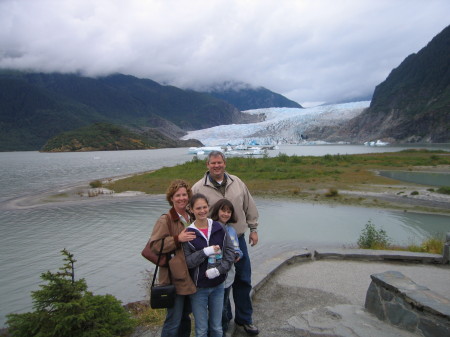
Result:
307,50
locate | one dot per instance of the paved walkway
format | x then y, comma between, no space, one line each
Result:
326,297
299,296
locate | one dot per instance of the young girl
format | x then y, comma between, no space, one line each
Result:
209,257
223,212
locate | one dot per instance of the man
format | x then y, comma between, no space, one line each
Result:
217,184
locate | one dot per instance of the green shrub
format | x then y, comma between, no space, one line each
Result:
64,307
372,238
414,193
332,192
444,190
283,157
96,184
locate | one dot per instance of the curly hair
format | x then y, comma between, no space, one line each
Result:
174,187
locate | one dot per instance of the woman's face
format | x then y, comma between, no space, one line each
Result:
224,215
180,199
200,209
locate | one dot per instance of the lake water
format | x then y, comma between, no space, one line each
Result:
424,178
106,236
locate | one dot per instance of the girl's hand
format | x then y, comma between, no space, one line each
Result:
186,236
212,273
211,250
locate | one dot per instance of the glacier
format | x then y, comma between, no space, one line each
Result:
281,125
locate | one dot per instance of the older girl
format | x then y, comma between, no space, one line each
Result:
209,257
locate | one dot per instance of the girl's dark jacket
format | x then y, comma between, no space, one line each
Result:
196,259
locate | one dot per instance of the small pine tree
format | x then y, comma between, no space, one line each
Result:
64,307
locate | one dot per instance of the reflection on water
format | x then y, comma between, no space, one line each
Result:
106,238
423,178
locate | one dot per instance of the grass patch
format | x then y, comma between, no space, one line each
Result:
443,190
59,195
433,244
283,174
145,315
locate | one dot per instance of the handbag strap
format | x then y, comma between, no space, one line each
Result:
159,255
157,263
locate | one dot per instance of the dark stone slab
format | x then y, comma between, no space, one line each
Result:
431,328
377,255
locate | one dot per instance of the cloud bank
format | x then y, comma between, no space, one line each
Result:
307,50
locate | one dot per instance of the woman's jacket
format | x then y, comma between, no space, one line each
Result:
197,260
168,226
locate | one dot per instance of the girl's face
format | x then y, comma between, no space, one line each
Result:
200,209
224,215
180,199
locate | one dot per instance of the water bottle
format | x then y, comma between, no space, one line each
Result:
219,257
215,259
211,261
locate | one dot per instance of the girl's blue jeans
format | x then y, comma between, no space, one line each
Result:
207,306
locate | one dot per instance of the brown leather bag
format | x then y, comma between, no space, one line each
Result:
148,253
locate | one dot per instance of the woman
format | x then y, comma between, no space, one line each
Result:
172,228
209,257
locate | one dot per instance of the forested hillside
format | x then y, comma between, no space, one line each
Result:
35,106
109,137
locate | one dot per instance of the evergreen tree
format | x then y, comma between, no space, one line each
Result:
64,307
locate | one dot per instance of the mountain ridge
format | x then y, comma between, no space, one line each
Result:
36,106
413,103
246,97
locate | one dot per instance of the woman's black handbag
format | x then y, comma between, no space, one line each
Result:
162,296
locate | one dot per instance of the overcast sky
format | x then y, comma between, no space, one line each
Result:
307,50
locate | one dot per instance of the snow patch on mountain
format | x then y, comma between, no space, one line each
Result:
281,126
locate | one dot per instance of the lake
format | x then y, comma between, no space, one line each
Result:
106,236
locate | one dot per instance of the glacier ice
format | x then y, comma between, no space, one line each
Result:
281,126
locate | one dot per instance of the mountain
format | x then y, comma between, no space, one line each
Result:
245,97
35,107
413,103
109,137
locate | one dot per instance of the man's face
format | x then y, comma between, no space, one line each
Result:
216,167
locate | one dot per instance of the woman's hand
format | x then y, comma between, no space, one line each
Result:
186,236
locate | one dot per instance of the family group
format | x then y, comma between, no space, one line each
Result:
204,235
